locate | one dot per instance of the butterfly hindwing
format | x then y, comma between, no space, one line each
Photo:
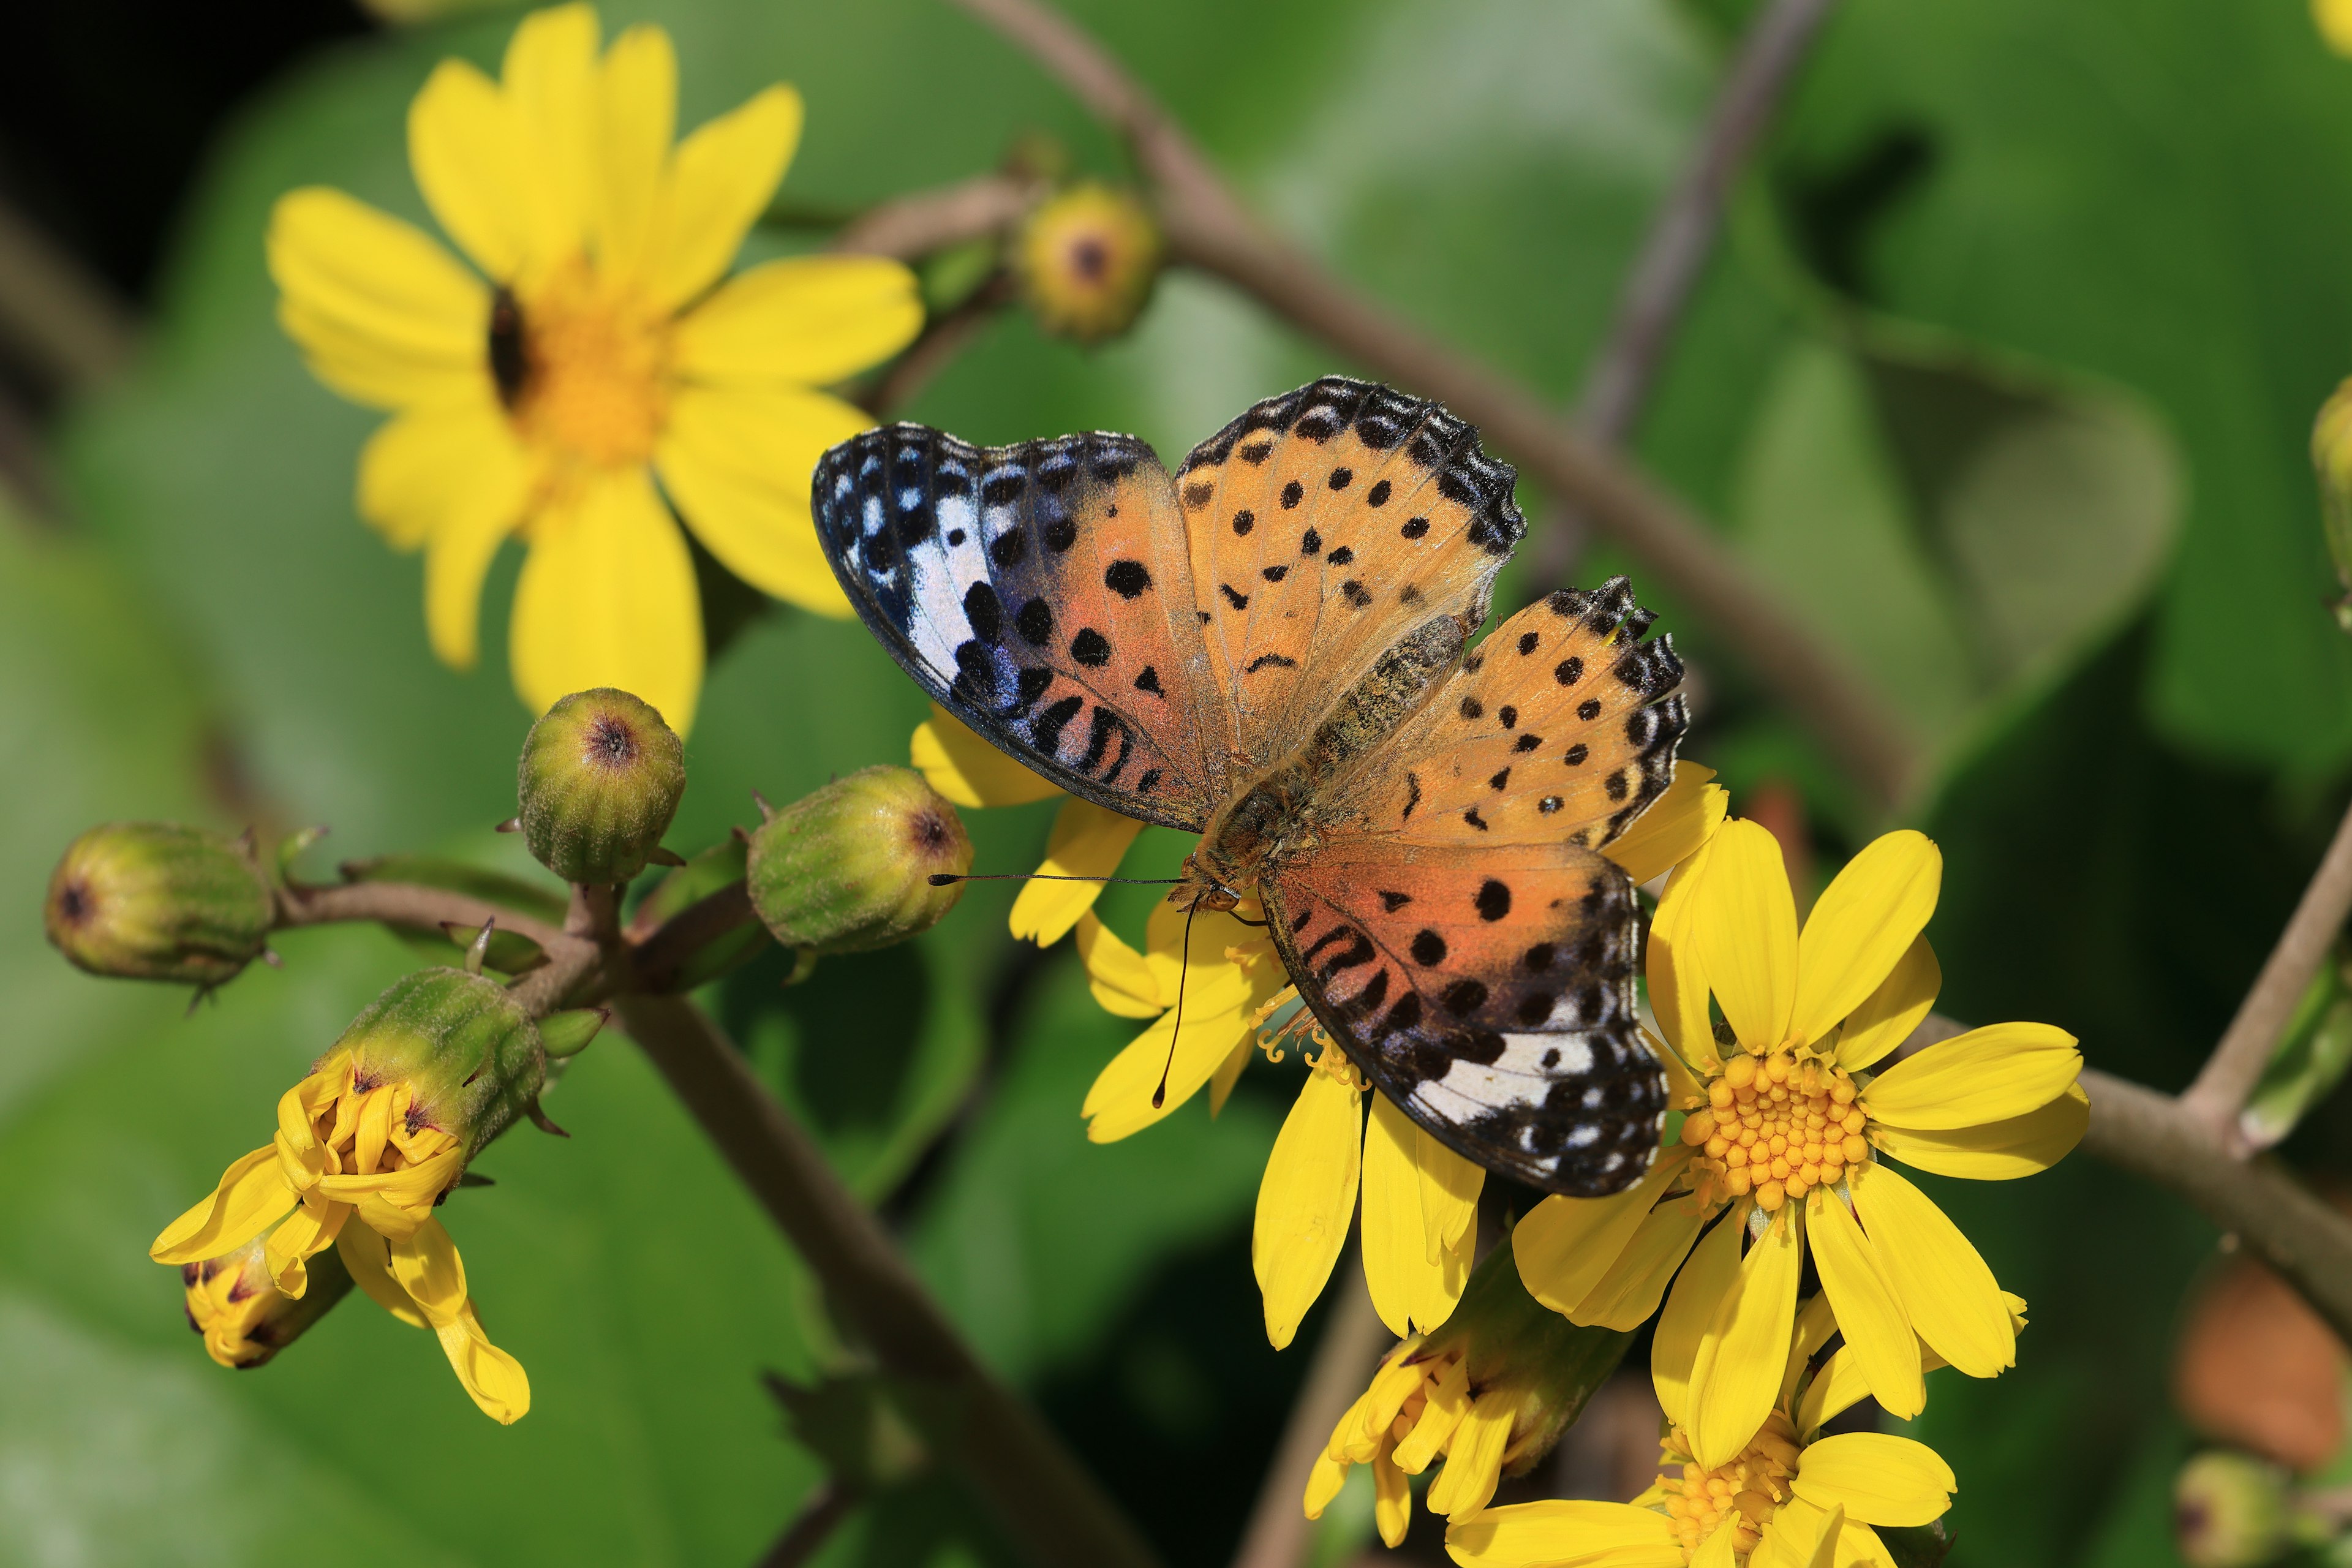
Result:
1042,593
1326,525
1488,991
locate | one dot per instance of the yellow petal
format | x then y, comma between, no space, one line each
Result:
812,319
1397,1262
1564,1534
607,598
1121,981
1676,825
1441,1413
1746,932
1889,1014
1876,1478
1229,1072
1824,1554
1986,1075
1215,1021
312,1228
1565,1247
1677,979
1864,921
1088,841
1449,1186
1473,1460
550,79
968,770
737,461
1877,1330
1816,1325
251,1197
1304,1201
384,315
495,1379
367,1256
1838,1387
637,111
1737,1374
1630,1293
474,168
1996,1150
1391,1500
1323,1483
1946,1289
1717,1550
720,180
1706,1281
426,1265
441,461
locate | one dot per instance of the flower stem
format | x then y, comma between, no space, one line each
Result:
1042,1496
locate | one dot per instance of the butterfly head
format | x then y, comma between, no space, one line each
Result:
1204,887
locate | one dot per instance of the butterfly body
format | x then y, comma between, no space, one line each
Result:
1272,648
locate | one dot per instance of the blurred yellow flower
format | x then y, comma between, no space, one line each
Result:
601,370
1087,260
1786,1122
347,1148
1788,1498
2334,18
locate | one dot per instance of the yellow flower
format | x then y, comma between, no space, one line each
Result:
599,353
1787,1125
1786,1497
379,1133
246,1319
2333,19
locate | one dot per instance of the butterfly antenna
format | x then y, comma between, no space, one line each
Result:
942,878
1183,969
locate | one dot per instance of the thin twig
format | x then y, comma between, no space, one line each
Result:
408,904
58,320
665,952
2230,1073
1207,226
1675,251
1352,1341
918,224
819,1517
2152,1135
1042,1496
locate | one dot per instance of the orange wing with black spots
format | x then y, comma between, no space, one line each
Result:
1042,593
1561,724
1326,525
1489,990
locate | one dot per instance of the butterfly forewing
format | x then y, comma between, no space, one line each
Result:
1326,525
1488,991
1042,593
1561,724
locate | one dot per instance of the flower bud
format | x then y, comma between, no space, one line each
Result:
154,901
850,867
470,1055
244,1318
2331,455
2228,1511
600,780
1086,260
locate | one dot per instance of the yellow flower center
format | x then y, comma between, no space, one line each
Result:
1778,1126
587,371
1739,1496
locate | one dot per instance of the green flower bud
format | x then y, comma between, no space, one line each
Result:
2331,455
470,1054
600,780
850,867
244,1318
2228,1511
154,901
1087,260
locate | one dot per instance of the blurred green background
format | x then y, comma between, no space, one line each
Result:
2003,376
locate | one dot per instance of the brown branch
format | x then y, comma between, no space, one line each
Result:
670,946
1674,253
943,338
1042,1496
408,904
927,221
1352,1341
2152,1135
1207,226
810,1528
2230,1073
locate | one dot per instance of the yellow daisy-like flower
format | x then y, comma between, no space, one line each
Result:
1786,1497
354,1144
599,370
1417,1196
242,1315
1789,1118
2333,19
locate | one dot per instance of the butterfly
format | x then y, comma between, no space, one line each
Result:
1272,648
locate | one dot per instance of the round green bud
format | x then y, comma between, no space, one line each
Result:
154,901
600,779
471,1055
1087,260
850,867
2230,1511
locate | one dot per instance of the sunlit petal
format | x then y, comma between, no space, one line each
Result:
1864,922
1088,842
1746,932
1737,1374
1877,1330
1306,1200
737,462
1950,1294
1674,827
968,770
813,320
1564,1534
1889,1014
1710,1275
1986,1075
1877,1479
1995,1150
1565,1247
719,181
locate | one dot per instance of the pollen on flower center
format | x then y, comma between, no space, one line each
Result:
594,369
1778,1126
1740,1495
